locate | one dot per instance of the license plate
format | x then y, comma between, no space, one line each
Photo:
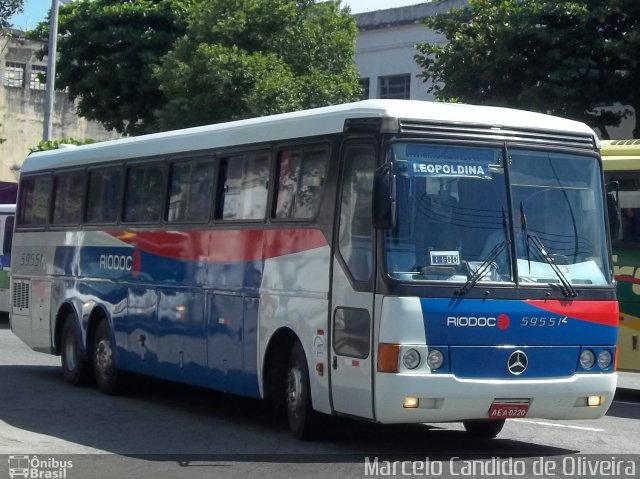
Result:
508,411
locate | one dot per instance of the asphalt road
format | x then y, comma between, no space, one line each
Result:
165,430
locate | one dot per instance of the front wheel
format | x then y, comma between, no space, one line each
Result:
75,369
488,428
303,420
109,380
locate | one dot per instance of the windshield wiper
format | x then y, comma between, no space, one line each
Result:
483,268
566,286
486,264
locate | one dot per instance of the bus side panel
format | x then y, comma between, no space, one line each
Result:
294,295
627,274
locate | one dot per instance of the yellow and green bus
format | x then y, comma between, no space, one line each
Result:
621,159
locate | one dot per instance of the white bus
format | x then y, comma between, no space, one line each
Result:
394,261
7,216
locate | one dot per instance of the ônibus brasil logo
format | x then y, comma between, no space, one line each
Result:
501,321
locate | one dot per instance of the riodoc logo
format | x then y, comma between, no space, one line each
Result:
501,322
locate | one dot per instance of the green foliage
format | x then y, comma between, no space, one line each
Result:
55,144
246,58
564,57
8,8
106,53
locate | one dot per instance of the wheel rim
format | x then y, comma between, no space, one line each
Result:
294,393
70,354
104,361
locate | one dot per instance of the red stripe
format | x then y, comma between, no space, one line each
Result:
223,245
627,279
601,312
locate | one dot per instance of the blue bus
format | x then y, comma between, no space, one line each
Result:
393,261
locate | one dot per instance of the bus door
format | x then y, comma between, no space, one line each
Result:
351,360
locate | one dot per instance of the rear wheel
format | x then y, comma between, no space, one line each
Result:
303,420
484,428
108,378
75,369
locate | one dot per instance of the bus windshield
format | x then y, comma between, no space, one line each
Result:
455,222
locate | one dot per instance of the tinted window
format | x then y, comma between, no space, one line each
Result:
144,193
35,200
190,191
301,174
355,211
103,195
244,186
67,198
8,235
352,332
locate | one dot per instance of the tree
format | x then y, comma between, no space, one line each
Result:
106,53
569,58
246,58
9,8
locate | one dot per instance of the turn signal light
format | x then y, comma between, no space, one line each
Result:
388,357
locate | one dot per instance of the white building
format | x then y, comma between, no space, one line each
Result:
385,51
386,47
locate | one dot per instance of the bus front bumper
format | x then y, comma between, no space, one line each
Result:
445,398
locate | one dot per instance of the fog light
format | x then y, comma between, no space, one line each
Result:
411,359
435,359
594,401
587,359
411,402
604,359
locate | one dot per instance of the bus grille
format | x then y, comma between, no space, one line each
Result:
21,294
483,132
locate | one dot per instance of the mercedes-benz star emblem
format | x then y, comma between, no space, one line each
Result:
517,362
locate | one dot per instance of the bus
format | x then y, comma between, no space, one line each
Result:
7,216
621,161
395,261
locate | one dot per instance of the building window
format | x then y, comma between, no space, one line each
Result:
364,88
37,79
396,86
14,74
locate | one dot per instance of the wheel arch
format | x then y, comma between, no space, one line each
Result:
98,313
275,363
63,313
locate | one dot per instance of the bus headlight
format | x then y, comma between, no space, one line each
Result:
435,359
411,359
587,359
604,359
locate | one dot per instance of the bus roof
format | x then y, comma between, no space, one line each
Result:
318,121
620,155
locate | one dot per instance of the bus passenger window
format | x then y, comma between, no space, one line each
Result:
190,189
144,192
301,180
629,208
103,195
34,195
244,187
67,198
8,235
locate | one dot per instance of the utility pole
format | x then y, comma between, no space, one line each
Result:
51,71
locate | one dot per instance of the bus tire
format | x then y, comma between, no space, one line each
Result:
75,369
108,379
488,428
303,420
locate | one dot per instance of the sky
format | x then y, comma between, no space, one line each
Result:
36,10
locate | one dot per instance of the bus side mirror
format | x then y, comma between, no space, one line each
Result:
384,198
